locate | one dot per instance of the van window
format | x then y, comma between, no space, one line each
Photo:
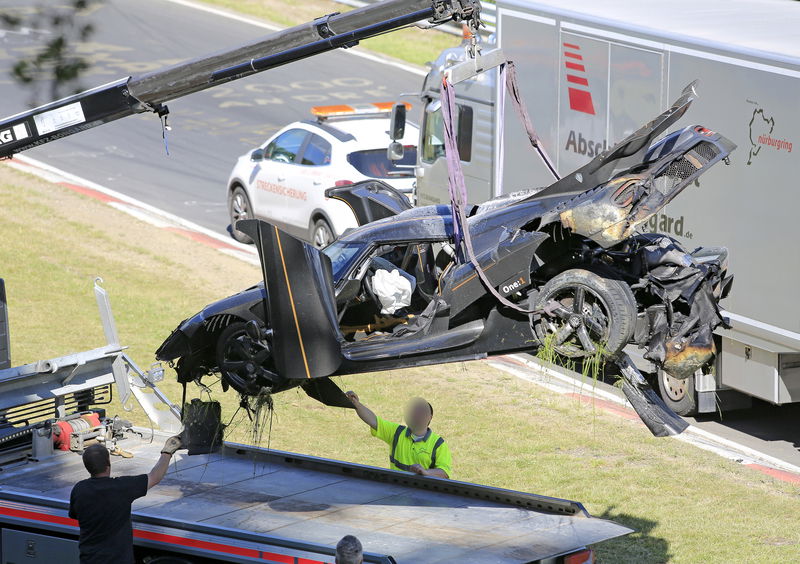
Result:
433,132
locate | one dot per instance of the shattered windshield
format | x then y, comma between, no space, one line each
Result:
342,255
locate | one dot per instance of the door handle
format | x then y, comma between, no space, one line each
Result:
281,178
317,182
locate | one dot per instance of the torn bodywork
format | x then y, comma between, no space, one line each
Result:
680,295
572,254
659,418
677,292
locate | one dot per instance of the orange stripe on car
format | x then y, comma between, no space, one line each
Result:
291,301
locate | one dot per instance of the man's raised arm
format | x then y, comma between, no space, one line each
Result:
160,468
365,413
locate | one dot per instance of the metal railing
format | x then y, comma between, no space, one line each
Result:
488,16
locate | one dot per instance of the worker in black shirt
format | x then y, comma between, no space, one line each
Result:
102,505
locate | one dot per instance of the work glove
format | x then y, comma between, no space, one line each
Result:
173,443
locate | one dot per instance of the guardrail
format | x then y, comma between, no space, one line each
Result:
488,16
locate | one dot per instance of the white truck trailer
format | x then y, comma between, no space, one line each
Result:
590,74
242,503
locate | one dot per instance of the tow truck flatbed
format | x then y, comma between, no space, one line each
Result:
243,503
248,504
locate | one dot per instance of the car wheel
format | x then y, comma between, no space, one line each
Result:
588,313
241,360
321,234
678,393
239,207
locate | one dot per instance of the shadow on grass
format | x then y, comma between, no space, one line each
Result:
640,546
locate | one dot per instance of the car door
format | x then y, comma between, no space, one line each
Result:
311,179
300,301
274,186
370,200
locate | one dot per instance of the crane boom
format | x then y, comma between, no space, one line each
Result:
150,91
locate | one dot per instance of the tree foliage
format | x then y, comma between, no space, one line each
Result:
54,65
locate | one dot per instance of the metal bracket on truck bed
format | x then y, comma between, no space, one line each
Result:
130,378
50,389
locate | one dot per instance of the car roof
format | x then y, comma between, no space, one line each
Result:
422,223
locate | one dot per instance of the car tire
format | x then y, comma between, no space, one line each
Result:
679,395
239,207
321,234
244,380
608,315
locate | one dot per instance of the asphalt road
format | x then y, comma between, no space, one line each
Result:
767,428
210,129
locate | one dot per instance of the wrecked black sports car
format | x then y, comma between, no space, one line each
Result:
396,292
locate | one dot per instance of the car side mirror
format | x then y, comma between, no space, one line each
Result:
257,155
397,124
349,291
395,151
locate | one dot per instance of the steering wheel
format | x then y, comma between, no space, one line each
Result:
367,283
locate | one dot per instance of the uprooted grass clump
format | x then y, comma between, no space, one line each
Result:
592,366
261,410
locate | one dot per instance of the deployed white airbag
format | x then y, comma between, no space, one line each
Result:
392,289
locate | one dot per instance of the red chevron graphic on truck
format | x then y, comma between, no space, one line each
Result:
580,100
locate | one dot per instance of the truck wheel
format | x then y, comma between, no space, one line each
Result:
321,234
239,207
591,310
677,393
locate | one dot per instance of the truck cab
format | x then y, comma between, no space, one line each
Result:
475,133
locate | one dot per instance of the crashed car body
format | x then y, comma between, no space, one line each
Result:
570,254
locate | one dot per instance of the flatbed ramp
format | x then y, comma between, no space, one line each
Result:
251,504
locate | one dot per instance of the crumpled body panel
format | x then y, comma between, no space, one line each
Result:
612,212
683,291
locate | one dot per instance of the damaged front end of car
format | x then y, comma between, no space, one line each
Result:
218,340
677,292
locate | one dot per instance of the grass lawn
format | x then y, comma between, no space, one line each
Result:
412,45
687,505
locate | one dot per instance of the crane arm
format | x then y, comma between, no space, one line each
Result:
151,91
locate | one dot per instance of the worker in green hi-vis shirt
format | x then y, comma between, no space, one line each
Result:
413,446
